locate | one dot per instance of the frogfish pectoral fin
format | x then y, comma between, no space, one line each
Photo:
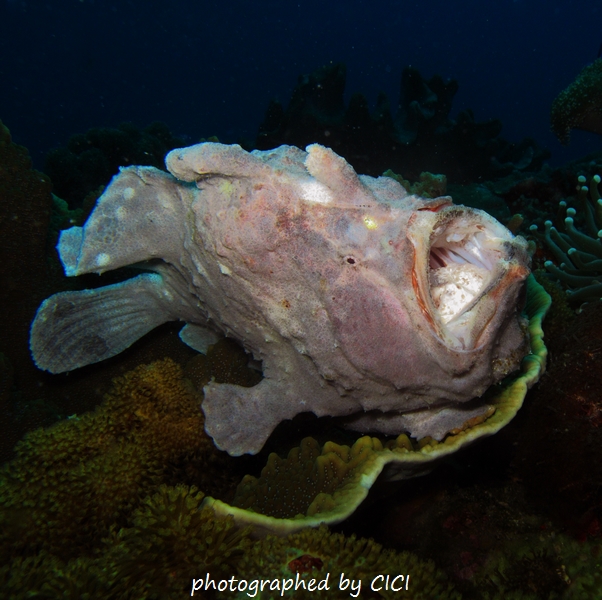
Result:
74,329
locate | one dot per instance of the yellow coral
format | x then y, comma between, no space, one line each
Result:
70,482
327,475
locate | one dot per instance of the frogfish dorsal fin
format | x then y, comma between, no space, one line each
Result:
140,216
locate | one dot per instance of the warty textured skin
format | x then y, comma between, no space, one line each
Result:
326,277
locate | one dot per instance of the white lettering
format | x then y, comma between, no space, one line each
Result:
287,584
357,587
393,588
323,585
197,584
299,582
376,589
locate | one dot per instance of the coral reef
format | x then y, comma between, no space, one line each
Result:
485,538
154,546
483,533
579,106
171,541
69,483
316,552
579,254
74,525
420,137
26,274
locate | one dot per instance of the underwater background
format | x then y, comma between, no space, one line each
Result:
105,469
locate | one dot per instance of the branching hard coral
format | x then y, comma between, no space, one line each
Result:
579,254
579,106
316,553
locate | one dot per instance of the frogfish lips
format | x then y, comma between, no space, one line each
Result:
464,271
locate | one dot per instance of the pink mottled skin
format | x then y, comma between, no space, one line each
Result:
326,278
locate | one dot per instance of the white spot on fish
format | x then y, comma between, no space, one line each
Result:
224,269
128,193
102,260
314,191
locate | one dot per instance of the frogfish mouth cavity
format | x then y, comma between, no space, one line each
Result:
461,275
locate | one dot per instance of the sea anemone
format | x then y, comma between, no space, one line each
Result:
579,253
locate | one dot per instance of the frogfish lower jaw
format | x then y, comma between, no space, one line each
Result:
468,257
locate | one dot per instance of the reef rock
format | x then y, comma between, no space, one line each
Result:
360,301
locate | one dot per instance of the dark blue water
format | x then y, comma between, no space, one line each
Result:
210,68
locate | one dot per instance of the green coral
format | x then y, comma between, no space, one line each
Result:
339,556
327,473
70,482
172,541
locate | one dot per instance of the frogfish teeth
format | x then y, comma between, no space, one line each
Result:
393,311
